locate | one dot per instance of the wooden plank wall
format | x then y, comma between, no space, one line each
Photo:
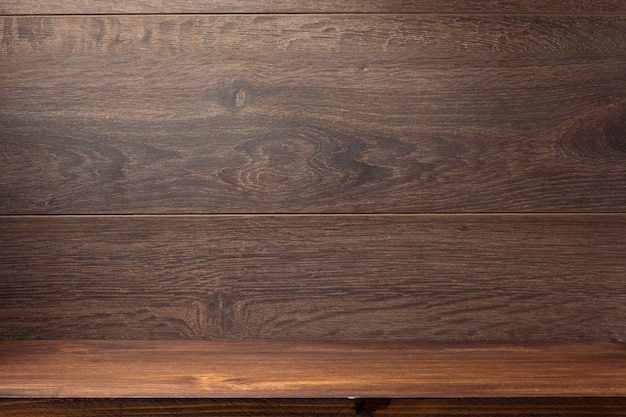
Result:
410,170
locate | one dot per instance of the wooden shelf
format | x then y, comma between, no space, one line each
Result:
271,369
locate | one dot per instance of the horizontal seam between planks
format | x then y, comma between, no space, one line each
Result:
235,14
295,215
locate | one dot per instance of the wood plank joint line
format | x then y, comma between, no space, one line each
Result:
304,13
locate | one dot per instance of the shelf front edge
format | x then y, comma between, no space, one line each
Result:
273,369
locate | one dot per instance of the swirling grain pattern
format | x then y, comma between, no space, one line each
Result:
312,114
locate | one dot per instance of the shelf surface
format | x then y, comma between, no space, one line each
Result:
271,369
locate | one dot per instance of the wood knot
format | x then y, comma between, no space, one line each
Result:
237,95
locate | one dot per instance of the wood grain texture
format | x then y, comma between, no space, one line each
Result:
318,6
258,369
310,369
368,407
454,107
312,114
481,277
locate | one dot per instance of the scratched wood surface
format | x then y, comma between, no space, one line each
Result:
429,277
309,369
318,6
323,113
484,407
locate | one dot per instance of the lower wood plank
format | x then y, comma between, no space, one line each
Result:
270,369
438,278
369,407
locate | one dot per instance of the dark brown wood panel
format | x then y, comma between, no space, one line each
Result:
312,114
81,408
309,369
443,278
363,407
318,6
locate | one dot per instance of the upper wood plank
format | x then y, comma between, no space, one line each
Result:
262,369
275,114
317,6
